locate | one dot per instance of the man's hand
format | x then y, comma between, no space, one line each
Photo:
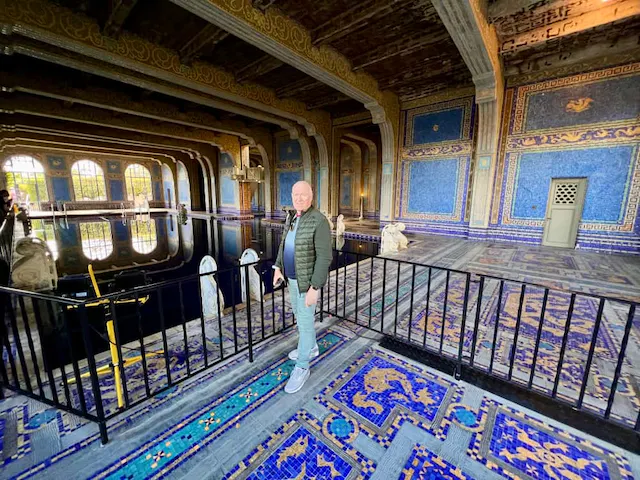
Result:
311,298
277,277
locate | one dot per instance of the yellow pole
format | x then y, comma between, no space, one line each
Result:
111,334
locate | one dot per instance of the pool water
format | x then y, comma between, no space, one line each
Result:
164,250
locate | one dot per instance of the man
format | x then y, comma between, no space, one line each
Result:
303,258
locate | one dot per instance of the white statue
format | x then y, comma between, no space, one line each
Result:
209,287
393,239
329,220
255,284
33,266
340,227
340,241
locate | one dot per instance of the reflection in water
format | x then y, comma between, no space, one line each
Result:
186,232
96,239
45,231
144,238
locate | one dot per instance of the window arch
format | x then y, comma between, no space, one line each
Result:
144,238
96,239
88,181
26,180
138,181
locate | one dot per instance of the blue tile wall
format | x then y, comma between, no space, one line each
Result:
230,242
598,102
121,232
289,151
286,180
69,236
157,191
117,190
56,162
113,166
227,190
61,191
433,186
438,126
345,191
608,172
226,161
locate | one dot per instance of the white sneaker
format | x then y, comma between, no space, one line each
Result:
297,379
315,351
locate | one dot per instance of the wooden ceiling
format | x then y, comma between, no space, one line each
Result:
401,43
539,33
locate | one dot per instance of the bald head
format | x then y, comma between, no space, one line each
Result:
302,196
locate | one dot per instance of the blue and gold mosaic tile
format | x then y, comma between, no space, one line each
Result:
424,464
381,392
171,448
519,446
298,450
462,416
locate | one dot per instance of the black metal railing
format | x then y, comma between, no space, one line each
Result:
99,357
528,342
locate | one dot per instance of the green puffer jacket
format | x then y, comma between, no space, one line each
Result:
312,249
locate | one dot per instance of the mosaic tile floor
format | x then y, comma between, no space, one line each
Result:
365,413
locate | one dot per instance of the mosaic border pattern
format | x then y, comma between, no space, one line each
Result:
158,452
479,446
385,434
425,464
264,452
155,403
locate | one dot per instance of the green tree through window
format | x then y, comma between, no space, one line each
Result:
88,181
97,243
138,181
144,238
26,181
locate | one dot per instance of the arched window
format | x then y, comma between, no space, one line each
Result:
138,181
144,238
26,181
97,242
88,181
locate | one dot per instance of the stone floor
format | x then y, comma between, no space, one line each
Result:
365,412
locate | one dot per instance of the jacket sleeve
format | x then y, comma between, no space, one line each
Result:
322,242
278,263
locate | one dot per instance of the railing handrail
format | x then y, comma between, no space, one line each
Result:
494,277
166,283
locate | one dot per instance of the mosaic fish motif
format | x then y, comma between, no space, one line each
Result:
299,447
541,455
579,105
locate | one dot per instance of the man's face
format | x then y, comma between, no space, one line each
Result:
302,196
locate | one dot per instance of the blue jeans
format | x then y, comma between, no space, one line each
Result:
305,317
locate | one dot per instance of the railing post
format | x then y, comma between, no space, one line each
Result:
463,327
248,308
95,384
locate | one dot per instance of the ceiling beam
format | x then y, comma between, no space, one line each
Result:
328,100
506,8
296,87
350,20
402,46
257,68
571,25
119,11
209,37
